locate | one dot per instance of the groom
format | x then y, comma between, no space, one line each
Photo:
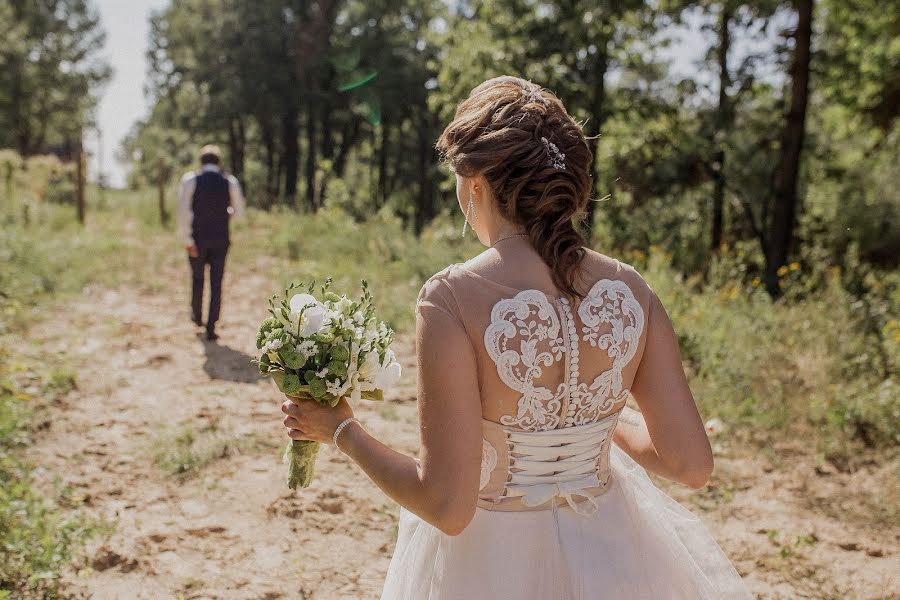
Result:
207,201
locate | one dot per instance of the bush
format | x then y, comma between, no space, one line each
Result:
818,366
38,540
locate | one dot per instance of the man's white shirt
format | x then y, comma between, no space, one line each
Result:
186,197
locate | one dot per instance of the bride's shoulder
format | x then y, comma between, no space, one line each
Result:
438,290
598,266
446,277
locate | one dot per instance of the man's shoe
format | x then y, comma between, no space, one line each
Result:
211,335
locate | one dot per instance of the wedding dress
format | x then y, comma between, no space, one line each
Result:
563,514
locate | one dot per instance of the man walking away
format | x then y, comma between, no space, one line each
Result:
206,203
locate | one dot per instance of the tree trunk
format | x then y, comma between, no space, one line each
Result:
311,154
291,157
237,142
595,126
18,116
267,133
327,136
382,164
784,189
327,130
424,209
723,122
79,180
348,141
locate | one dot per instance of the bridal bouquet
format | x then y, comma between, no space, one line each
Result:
324,348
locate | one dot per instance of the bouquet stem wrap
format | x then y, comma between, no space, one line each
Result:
300,457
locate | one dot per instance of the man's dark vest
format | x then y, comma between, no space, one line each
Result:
210,206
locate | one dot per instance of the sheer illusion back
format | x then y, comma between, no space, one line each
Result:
553,375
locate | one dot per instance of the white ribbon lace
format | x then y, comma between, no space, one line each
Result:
558,463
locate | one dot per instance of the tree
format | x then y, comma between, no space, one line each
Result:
49,72
568,47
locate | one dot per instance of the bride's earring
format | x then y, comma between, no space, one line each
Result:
470,209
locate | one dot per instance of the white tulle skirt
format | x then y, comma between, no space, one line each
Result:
639,544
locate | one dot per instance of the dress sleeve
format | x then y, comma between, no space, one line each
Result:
436,297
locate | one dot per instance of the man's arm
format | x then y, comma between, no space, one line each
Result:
186,213
237,197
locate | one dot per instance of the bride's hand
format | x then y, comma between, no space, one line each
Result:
309,420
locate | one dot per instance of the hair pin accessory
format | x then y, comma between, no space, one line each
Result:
557,158
532,93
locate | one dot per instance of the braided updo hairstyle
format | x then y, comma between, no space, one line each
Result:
534,157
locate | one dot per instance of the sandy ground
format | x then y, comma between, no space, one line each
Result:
232,529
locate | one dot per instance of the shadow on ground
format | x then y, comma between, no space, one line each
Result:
228,364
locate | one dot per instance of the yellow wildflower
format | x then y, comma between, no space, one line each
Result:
795,266
782,271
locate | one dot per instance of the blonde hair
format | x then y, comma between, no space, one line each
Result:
210,153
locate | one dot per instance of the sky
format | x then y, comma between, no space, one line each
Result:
126,23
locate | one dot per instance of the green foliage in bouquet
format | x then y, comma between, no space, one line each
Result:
324,349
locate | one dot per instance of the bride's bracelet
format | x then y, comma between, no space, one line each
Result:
340,428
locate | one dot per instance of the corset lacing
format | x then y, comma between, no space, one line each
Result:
559,463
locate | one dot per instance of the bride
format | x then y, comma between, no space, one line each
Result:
531,480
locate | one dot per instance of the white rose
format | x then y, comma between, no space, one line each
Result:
299,301
311,313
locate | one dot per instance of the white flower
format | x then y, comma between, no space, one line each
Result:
322,373
336,388
308,315
343,305
369,369
271,346
387,376
355,391
380,376
307,348
359,317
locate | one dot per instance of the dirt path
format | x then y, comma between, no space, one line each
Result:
231,529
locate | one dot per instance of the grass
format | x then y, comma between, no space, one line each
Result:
288,246
184,450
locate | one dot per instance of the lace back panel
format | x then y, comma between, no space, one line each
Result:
553,376
530,333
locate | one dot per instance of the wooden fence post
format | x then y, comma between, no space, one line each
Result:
161,176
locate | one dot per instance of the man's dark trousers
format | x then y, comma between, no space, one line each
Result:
215,258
